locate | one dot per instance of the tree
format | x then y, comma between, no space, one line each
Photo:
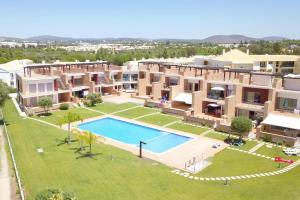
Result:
93,98
90,139
80,136
45,103
68,119
4,91
241,126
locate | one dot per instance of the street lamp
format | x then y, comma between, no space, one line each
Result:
141,147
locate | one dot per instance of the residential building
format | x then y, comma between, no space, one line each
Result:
9,70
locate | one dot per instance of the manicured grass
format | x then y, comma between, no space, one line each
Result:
275,151
159,119
233,163
126,177
249,145
56,115
136,112
188,128
112,107
216,135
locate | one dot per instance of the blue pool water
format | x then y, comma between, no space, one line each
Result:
157,141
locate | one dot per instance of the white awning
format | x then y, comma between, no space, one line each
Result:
217,88
214,105
283,121
184,97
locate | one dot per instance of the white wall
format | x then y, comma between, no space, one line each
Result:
5,77
290,95
292,84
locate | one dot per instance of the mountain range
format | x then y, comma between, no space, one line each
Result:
218,39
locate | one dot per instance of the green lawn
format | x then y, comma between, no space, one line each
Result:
112,107
188,128
249,145
216,135
136,112
159,119
126,177
275,151
235,163
56,115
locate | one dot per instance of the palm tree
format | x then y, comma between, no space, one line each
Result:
79,135
91,139
69,118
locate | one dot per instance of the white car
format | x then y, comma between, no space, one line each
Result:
292,151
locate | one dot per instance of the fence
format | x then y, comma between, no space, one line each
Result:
13,160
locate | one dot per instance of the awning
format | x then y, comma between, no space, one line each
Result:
214,105
217,88
283,121
184,97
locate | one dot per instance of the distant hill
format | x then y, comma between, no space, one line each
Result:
223,39
218,39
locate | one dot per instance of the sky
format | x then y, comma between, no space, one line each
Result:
185,19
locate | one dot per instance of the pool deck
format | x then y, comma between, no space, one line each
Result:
199,146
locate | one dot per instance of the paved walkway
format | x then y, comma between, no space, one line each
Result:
146,115
125,110
256,147
169,124
5,187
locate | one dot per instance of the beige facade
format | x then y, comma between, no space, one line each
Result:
209,95
68,82
214,96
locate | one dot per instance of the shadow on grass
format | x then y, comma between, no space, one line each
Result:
88,155
44,114
64,141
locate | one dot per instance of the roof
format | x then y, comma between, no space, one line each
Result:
283,121
15,65
184,97
235,56
275,57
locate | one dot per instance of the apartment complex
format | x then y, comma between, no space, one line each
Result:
68,82
211,92
236,59
212,96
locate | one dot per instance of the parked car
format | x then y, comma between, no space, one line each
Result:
238,143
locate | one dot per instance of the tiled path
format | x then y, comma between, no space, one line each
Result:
256,147
248,176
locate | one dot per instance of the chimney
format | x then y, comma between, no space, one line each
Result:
223,51
248,52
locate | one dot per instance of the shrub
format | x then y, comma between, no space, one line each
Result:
64,106
50,194
267,138
93,99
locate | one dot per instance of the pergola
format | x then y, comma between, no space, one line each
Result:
63,66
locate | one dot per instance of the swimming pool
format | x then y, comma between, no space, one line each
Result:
158,141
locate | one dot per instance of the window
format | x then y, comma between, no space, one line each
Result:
41,87
49,87
289,104
32,88
253,97
12,76
12,83
173,81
